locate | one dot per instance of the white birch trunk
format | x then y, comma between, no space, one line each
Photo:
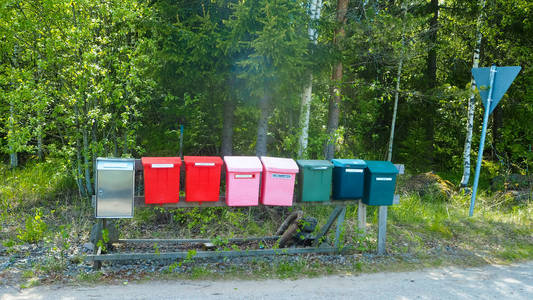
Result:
471,102
305,111
395,109
305,108
397,91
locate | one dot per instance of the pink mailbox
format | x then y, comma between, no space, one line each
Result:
243,174
278,181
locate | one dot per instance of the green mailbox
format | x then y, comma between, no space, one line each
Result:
314,182
380,183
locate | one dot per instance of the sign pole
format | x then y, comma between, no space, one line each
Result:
482,140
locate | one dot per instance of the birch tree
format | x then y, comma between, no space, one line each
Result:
397,89
472,101
305,108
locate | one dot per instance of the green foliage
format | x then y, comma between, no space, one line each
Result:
34,230
118,78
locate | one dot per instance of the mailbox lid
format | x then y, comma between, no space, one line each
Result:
243,164
312,164
349,163
280,165
381,167
125,164
115,186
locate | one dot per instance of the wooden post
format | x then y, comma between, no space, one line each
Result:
382,229
361,217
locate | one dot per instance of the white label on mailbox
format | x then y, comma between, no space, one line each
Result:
354,170
204,164
284,176
383,179
156,166
116,165
244,176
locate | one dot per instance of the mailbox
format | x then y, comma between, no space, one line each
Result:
314,180
115,180
242,180
277,185
348,178
380,183
202,178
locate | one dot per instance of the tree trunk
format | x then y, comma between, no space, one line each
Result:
395,109
305,111
305,108
472,102
335,99
40,153
86,159
13,157
497,123
431,77
262,126
79,177
227,128
397,91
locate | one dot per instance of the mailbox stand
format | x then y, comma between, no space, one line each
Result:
338,214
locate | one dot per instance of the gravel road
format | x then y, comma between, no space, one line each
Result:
489,282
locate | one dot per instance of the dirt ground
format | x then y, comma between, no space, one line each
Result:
488,282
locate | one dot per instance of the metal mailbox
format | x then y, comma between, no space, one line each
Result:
115,180
380,183
348,178
314,182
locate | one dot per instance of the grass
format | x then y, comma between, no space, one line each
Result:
423,231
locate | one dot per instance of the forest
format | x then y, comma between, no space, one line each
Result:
293,78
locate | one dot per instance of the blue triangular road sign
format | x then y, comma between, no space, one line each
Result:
502,81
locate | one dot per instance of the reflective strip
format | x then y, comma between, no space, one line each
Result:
354,170
244,176
383,179
115,166
284,176
320,168
204,164
162,166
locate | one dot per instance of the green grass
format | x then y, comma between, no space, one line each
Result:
34,184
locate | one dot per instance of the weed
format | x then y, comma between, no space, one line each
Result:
35,229
171,268
90,277
189,258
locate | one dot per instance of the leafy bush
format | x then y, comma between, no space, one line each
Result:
35,229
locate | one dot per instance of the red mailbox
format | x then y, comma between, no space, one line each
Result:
202,178
161,179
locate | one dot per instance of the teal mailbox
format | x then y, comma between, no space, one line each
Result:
380,183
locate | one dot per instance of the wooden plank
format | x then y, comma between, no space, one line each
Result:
205,254
382,229
338,231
